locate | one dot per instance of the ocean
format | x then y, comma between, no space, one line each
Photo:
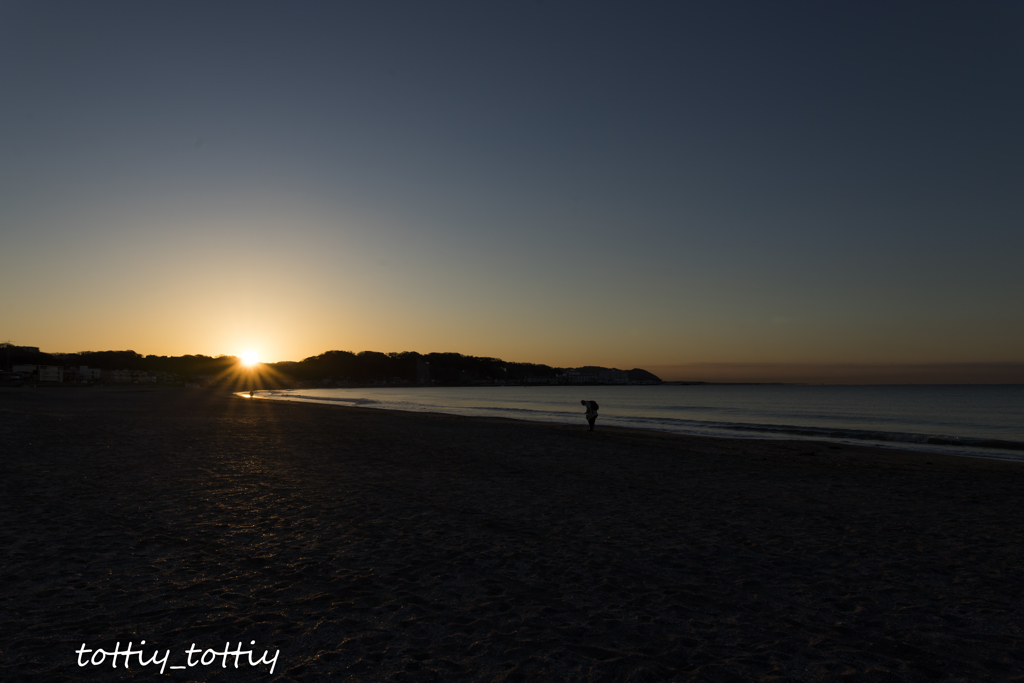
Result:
973,420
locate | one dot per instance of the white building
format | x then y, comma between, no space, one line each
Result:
89,373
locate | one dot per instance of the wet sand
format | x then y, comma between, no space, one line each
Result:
371,545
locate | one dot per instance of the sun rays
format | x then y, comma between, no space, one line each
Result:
249,374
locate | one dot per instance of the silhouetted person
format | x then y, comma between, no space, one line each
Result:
591,412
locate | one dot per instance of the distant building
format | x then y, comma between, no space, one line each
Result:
127,377
613,376
87,373
7,350
117,376
576,377
29,349
51,373
26,369
422,371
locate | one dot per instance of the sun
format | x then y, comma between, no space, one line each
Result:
250,358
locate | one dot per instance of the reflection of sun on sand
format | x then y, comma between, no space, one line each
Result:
371,544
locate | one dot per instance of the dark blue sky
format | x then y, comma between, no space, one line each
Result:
723,182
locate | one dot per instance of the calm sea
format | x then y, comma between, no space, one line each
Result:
982,420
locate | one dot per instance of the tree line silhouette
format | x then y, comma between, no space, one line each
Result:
365,367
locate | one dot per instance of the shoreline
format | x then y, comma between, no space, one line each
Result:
387,545
985,448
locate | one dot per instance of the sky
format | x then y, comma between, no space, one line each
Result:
692,188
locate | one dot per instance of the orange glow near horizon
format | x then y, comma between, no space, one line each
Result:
249,374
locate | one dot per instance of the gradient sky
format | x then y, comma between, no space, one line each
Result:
649,185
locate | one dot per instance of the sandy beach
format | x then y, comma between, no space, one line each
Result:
371,545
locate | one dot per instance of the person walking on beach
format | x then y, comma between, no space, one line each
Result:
591,407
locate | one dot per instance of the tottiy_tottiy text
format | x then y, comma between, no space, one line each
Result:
205,658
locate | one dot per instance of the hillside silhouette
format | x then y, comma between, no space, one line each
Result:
366,367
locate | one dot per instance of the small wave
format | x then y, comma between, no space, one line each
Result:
691,408
843,434
326,399
532,411
898,437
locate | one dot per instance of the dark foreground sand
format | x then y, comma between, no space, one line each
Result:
394,546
